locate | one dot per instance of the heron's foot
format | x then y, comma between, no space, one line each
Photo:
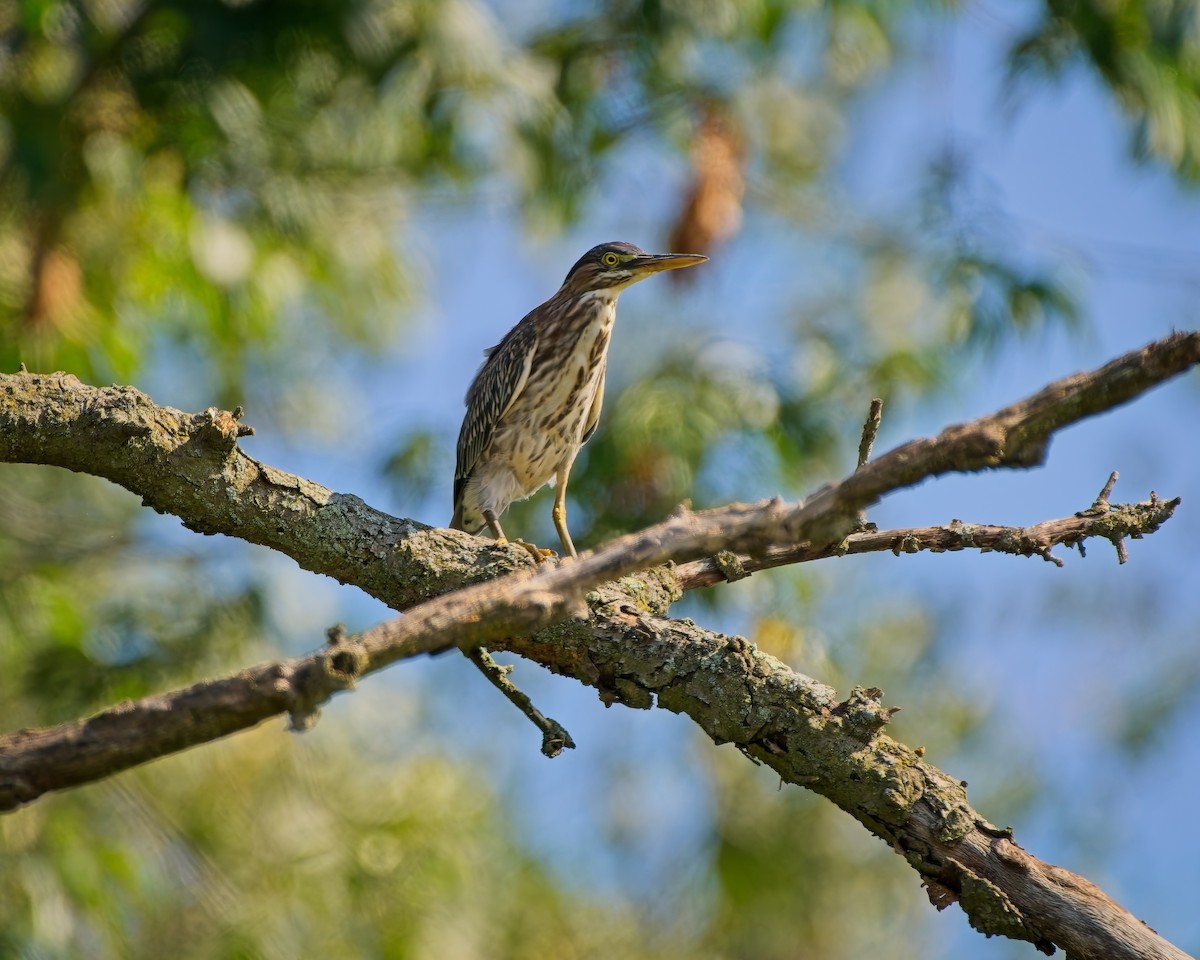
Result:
538,553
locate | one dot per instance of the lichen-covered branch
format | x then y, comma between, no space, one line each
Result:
1112,522
193,467
738,694
190,465
1016,436
531,613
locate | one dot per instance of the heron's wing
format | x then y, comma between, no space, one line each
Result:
493,391
597,402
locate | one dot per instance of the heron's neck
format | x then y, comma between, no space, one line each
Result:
605,299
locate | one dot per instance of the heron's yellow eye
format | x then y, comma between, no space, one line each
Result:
610,259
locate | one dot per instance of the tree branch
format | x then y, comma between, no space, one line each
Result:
1113,522
869,431
738,694
554,736
192,466
33,762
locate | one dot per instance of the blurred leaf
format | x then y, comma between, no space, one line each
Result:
411,468
1146,51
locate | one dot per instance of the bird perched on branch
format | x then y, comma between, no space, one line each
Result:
537,397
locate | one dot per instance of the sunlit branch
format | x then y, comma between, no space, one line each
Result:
1113,522
555,738
575,620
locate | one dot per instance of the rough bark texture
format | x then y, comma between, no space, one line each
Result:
577,619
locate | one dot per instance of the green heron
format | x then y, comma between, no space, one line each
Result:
537,397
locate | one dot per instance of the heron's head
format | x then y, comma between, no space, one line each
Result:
614,266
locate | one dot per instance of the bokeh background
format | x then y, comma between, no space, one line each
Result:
325,211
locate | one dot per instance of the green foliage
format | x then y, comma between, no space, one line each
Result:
223,192
1146,51
411,468
208,173
104,615
198,170
777,849
302,852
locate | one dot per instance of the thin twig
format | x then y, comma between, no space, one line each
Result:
1100,508
1107,489
1112,522
869,431
554,736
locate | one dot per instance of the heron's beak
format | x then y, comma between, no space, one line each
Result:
657,262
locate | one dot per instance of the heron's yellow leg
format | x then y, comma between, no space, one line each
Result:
560,511
538,553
